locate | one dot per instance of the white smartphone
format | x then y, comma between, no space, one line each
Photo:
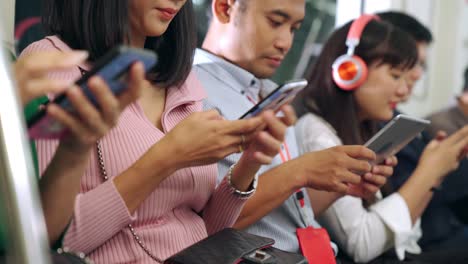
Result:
282,95
395,135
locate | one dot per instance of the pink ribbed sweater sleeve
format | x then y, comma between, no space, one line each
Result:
223,208
100,213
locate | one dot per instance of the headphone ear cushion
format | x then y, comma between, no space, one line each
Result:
349,72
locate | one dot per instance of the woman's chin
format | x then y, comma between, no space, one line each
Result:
157,30
387,117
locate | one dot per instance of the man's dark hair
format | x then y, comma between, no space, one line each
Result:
408,24
97,26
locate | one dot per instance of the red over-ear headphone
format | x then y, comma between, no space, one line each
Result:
349,70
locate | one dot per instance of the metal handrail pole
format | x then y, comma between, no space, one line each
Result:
19,188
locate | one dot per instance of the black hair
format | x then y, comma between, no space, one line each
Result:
381,43
97,26
408,24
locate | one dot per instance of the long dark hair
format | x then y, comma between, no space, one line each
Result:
380,43
99,25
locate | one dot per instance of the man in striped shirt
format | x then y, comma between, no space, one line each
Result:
245,44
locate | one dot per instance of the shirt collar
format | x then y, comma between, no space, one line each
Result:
248,84
62,46
190,91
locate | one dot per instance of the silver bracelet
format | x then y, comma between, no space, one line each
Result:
253,186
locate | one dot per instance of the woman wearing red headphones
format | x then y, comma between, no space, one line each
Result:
346,98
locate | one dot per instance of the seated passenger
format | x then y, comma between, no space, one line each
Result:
348,113
62,176
256,36
441,226
149,189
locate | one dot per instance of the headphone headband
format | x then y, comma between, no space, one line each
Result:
355,32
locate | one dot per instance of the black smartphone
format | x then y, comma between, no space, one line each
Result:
284,94
112,67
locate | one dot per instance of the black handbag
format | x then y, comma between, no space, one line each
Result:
61,256
230,246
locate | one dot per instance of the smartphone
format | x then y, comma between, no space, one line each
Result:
112,67
282,95
395,135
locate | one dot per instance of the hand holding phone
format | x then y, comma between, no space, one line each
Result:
112,70
282,95
395,135
31,69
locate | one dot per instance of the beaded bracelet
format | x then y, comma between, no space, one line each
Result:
252,188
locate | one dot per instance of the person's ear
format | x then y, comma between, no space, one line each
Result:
222,10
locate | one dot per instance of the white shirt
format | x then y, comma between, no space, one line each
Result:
363,233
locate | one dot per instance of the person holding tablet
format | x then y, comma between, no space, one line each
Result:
345,106
442,228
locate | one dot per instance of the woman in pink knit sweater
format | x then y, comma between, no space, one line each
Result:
151,194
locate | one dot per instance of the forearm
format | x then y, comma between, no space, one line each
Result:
274,187
321,200
59,186
416,192
137,182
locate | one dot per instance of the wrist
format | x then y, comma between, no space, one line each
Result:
243,192
246,164
243,173
73,153
426,178
299,178
70,145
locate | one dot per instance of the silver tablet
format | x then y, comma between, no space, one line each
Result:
395,135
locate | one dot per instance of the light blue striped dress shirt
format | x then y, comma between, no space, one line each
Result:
231,90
